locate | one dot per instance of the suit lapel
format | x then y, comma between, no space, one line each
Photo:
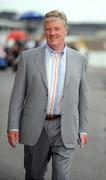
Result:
69,67
41,64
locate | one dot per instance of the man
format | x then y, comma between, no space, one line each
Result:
48,107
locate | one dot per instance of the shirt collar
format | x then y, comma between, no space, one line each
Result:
50,50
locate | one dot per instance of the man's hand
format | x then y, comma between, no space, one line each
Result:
13,138
84,139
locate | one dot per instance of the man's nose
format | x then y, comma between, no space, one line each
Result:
52,32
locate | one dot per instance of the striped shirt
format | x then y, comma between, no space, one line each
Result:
55,68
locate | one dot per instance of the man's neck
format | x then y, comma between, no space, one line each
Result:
57,48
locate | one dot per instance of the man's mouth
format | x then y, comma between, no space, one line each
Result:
53,38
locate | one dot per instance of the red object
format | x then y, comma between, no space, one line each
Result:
17,35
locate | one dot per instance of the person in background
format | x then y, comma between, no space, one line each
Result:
48,109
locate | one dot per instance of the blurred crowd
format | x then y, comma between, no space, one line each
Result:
15,43
18,40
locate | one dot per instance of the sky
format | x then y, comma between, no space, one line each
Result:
75,10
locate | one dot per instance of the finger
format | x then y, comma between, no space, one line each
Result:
11,139
17,137
12,142
84,139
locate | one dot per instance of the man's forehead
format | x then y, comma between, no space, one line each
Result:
51,19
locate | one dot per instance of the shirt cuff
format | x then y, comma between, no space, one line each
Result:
14,130
83,133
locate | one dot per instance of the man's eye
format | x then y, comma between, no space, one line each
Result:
57,28
48,29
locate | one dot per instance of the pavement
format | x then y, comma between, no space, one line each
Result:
89,164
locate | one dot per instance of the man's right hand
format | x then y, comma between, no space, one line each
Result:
13,138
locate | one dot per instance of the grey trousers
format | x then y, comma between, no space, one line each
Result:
49,146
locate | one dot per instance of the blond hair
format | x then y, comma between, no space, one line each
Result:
55,14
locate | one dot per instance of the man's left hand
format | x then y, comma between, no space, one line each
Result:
84,138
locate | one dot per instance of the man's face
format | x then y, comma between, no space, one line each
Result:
55,32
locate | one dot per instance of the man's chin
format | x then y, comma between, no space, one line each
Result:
53,45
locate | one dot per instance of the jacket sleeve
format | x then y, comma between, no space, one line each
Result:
17,96
83,100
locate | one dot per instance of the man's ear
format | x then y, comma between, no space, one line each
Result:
66,31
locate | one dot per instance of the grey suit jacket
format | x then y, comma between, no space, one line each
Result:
28,102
